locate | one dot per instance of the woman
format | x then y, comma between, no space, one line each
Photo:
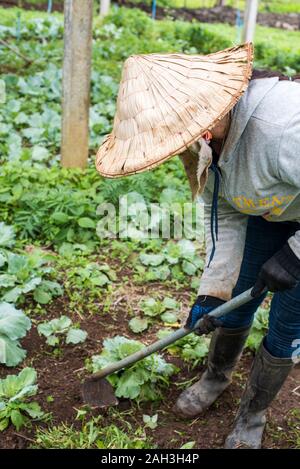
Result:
246,166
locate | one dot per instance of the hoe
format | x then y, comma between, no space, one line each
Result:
98,392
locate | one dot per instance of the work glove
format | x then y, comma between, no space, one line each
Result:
281,272
203,305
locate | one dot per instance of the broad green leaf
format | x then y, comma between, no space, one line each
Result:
188,445
18,420
40,153
189,268
169,318
138,324
34,410
41,296
7,280
172,260
86,222
21,384
60,217
11,352
152,259
13,322
128,386
76,336
158,273
45,329
12,295
31,284
7,235
150,421
4,422
151,307
17,263
62,323
52,340
100,279
186,248
170,303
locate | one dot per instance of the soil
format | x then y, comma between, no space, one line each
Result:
226,14
60,377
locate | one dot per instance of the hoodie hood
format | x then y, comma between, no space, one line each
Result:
242,112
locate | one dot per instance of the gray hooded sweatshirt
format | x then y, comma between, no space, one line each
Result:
260,176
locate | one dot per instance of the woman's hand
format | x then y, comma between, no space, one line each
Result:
200,309
281,272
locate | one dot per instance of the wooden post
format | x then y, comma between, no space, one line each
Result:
104,7
250,20
76,82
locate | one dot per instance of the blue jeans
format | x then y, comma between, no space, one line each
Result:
263,239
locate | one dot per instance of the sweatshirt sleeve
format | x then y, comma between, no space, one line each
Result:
221,276
289,167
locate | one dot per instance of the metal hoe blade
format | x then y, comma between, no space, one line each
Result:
98,393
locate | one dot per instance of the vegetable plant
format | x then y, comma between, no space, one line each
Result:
21,274
144,381
192,348
259,329
176,261
15,404
14,325
59,328
166,311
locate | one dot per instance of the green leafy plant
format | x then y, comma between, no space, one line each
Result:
7,236
61,327
259,328
176,260
192,348
166,311
21,274
150,421
143,381
91,275
14,325
15,392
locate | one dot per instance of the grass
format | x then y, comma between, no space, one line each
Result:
283,6
289,41
93,435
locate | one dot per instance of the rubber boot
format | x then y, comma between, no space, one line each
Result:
267,376
225,350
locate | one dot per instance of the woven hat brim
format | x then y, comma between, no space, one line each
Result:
113,163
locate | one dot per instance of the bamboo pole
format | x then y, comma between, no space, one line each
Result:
76,82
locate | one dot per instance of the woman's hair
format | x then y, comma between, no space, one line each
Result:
264,73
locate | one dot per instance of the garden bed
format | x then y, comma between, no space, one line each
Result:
52,212
60,378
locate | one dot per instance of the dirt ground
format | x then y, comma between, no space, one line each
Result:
60,377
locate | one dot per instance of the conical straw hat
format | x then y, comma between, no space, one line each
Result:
166,102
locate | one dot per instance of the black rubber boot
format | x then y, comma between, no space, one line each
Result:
267,376
225,350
